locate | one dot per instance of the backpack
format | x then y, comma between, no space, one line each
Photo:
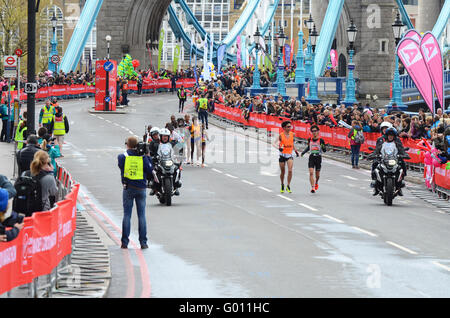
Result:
359,138
29,195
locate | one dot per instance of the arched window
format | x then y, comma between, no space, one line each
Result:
46,30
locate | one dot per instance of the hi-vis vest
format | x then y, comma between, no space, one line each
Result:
203,103
59,127
287,143
134,167
47,115
19,135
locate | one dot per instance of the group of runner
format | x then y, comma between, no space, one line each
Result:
285,143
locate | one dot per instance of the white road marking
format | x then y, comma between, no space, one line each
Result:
108,121
231,176
116,124
218,171
441,265
401,247
364,231
332,218
265,189
441,212
348,177
248,182
308,207
101,117
286,198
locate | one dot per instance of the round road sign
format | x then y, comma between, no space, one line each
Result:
10,60
19,52
55,59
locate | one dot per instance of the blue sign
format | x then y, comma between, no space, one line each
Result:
351,66
107,99
109,66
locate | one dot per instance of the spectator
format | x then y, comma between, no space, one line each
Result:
41,167
8,218
26,155
355,143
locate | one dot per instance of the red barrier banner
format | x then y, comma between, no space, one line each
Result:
90,89
189,82
76,89
132,86
42,243
163,83
58,90
42,93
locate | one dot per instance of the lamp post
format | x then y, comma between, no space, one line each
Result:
54,44
281,39
107,96
313,95
350,98
397,28
256,75
308,60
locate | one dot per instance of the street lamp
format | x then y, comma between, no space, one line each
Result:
397,28
107,96
281,40
350,98
256,75
54,44
308,63
313,95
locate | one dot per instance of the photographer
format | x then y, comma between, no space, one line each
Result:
134,168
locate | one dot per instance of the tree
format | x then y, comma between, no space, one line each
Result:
13,27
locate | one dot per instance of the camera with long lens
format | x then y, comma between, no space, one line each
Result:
142,148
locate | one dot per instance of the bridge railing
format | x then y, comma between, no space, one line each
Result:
408,84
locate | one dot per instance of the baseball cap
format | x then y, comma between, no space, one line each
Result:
4,197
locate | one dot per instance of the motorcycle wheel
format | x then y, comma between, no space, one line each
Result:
168,192
389,193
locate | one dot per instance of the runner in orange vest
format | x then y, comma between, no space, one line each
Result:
286,147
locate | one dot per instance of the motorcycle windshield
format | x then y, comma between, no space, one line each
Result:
389,150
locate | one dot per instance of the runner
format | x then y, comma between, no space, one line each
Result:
316,146
286,146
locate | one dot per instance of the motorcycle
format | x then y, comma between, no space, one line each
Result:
389,171
167,175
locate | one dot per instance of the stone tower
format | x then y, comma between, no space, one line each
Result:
374,44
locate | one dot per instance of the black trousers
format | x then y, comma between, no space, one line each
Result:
3,134
181,105
203,116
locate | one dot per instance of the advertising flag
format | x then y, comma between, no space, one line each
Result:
160,48
176,57
220,56
432,54
409,53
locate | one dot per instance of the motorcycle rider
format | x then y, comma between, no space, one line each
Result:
154,144
390,135
166,147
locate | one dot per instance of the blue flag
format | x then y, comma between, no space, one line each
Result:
220,56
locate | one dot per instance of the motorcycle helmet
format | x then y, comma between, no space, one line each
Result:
391,131
385,124
154,130
165,132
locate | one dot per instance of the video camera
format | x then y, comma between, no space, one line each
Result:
142,148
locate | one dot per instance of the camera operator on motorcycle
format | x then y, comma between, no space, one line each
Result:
389,135
154,144
167,172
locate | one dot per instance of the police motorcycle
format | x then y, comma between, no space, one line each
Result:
166,172
389,171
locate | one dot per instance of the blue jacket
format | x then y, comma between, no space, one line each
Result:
148,168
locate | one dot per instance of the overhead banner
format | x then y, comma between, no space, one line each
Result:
432,54
160,48
220,56
409,53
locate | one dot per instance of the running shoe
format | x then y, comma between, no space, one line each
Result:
288,188
316,187
282,188
313,191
